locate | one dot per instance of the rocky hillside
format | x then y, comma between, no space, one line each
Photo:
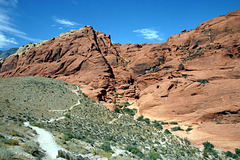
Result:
5,54
192,78
88,128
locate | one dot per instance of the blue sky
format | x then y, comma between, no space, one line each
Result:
127,21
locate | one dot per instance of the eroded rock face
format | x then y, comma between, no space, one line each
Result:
167,80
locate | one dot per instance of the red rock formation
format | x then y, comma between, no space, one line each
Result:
167,80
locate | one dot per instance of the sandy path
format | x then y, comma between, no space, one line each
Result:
46,142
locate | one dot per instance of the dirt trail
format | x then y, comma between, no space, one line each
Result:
65,110
46,142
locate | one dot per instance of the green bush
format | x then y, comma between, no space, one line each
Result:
68,136
203,81
153,155
130,112
13,142
157,125
185,76
167,131
187,141
208,145
237,151
117,110
174,123
106,147
163,123
5,140
208,149
147,120
189,129
134,150
67,115
140,118
177,129
230,154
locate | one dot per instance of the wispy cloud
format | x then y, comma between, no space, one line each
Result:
65,22
149,34
8,29
9,2
74,2
4,41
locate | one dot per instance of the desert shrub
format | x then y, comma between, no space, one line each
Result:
189,129
208,145
147,120
68,136
80,137
167,131
9,141
203,81
187,141
4,140
140,118
106,147
126,104
237,151
117,110
163,123
13,133
153,155
199,49
230,154
5,154
174,82
157,125
110,138
130,112
125,110
177,129
174,123
67,115
134,150
185,76
90,141
208,149
33,149
13,142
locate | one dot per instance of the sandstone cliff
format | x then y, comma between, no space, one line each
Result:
193,76
163,70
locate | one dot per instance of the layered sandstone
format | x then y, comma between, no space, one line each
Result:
193,77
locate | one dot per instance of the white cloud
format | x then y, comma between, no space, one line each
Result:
65,22
149,34
7,26
4,41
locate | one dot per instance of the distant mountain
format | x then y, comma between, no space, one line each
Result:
5,54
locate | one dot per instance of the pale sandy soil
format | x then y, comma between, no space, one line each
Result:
225,137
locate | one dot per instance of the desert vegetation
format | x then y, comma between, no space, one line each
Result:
86,129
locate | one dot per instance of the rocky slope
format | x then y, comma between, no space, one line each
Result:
88,128
5,54
192,78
